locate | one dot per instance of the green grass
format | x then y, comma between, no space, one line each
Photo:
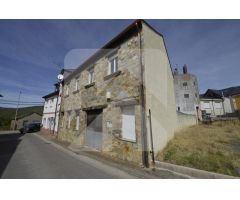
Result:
7,114
214,147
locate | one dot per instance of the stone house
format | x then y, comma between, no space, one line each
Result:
25,119
121,100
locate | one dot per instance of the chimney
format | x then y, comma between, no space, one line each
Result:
184,69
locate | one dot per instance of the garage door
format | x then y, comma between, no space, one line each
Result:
94,129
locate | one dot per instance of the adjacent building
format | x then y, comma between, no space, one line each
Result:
121,100
52,103
28,118
220,102
186,92
51,112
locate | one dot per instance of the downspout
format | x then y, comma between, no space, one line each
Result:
142,103
55,115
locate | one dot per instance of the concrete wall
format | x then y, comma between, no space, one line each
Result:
159,84
227,105
185,120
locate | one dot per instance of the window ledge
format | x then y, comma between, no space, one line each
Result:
112,75
90,85
127,140
76,91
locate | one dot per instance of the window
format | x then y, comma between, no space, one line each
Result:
206,105
185,85
218,105
69,120
77,121
186,96
90,75
128,123
113,64
67,89
77,84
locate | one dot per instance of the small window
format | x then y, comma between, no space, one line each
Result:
186,96
90,75
113,64
77,121
69,120
67,89
185,84
77,84
178,108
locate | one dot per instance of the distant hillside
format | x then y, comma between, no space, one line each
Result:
7,114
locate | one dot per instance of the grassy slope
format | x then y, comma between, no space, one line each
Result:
213,148
7,114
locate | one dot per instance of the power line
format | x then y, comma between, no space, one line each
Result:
13,101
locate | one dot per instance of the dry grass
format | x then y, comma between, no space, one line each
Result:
214,147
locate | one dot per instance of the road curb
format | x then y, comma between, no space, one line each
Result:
191,172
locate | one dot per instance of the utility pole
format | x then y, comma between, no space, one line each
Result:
17,110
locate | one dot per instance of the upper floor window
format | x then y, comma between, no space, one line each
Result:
185,85
77,84
91,75
113,64
67,89
186,95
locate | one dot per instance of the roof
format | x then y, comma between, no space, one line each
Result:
28,114
133,28
51,94
227,92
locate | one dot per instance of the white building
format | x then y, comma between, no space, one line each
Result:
51,112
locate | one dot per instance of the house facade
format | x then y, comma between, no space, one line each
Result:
219,102
51,109
121,100
25,119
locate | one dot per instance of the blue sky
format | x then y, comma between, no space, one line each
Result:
30,49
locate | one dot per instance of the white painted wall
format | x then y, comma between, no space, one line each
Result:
49,113
160,95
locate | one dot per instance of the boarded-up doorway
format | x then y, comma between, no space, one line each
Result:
94,129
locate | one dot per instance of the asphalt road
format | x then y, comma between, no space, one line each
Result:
28,156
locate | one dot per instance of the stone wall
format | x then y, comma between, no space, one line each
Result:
124,88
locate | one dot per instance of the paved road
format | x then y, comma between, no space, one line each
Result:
28,156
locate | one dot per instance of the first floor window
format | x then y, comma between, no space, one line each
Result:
69,120
128,123
77,121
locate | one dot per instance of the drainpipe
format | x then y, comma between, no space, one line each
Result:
151,135
142,103
55,114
